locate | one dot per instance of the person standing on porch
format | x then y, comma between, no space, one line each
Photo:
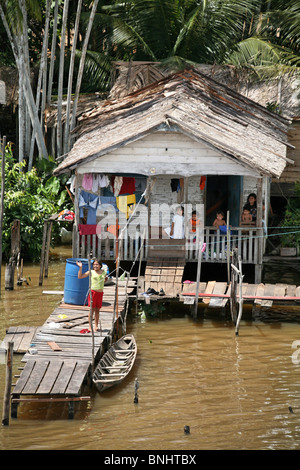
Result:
177,227
98,277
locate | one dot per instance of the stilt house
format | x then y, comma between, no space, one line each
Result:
184,140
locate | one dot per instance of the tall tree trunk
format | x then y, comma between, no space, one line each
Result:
21,120
70,82
52,57
81,65
41,79
61,78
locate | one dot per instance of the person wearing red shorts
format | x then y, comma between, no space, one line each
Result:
98,277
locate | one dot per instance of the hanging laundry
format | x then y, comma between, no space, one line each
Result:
202,182
85,229
108,201
117,185
96,182
128,186
104,181
87,182
126,204
90,202
71,182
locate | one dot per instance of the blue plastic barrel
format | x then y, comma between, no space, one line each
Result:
76,290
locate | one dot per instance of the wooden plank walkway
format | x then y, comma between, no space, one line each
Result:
58,362
21,336
261,294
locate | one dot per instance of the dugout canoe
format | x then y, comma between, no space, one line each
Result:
116,363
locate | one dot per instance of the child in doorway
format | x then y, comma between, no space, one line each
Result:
177,227
219,220
98,277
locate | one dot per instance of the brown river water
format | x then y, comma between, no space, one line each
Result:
234,392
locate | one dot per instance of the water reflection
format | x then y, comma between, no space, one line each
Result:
233,392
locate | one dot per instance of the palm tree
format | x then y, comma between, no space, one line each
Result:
245,33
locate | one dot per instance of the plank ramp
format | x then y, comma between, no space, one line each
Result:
164,274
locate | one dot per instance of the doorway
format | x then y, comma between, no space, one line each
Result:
223,193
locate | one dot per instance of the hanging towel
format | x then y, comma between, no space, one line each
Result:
124,203
85,229
87,182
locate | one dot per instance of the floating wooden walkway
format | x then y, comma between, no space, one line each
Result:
212,293
217,294
59,354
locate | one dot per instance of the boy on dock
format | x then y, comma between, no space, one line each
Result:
98,277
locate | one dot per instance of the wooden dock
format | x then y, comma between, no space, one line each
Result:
217,294
213,293
59,355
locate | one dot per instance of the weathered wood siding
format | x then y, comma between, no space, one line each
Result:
150,154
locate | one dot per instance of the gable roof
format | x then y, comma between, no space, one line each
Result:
196,105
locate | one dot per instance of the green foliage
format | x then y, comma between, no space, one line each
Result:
31,197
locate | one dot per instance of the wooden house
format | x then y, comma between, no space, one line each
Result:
183,140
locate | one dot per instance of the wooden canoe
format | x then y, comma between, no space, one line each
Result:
116,363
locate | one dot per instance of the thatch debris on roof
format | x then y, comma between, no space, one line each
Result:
282,91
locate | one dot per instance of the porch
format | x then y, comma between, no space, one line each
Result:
249,242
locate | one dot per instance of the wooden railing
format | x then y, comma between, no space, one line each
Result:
248,241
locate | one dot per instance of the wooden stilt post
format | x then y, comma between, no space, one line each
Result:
200,248
42,261
233,297
91,316
6,400
116,302
48,244
15,250
239,271
45,249
139,271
